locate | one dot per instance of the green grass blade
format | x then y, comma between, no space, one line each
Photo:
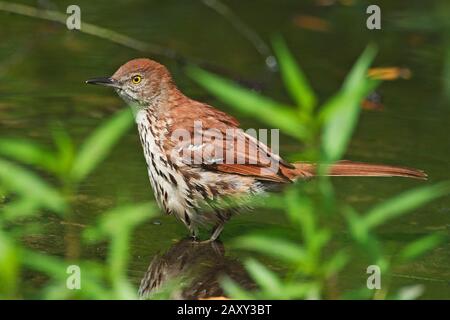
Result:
300,210
97,146
404,202
20,208
65,151
421,246
251,103
294,79
120,219
29,153
235,291
117,225
29,185
9,267
301,290
340,113
361,234
278,248
336,263
92,286
265,278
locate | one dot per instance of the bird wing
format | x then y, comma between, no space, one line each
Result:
212,139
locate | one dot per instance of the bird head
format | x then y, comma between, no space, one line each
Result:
140,82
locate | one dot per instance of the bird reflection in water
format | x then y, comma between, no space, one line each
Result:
199,266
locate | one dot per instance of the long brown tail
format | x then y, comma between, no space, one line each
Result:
359,169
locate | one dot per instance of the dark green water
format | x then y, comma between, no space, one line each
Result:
43,67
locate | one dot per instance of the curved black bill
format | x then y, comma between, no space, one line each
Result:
103,82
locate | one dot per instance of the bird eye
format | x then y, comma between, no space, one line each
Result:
136,79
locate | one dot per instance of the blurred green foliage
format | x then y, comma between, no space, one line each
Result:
326,132
27,194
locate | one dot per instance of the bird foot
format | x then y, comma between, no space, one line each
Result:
196,240
216,245
204,241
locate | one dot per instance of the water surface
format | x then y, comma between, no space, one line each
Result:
43,67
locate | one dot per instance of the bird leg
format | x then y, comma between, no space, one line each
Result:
217,231
215,234
193,234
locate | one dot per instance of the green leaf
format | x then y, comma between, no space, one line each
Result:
340,113
267,110
65,151
278,248
404,202
360,233
28,185
50,265
92,286
357,226
167,289
301,212
99,144
335,263
235,291
29,153
421,246
294,78
120,219
20,208
9,267
265,278
301,290
117,225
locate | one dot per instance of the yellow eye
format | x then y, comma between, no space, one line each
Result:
136,79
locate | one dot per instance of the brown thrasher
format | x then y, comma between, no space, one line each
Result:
190,177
